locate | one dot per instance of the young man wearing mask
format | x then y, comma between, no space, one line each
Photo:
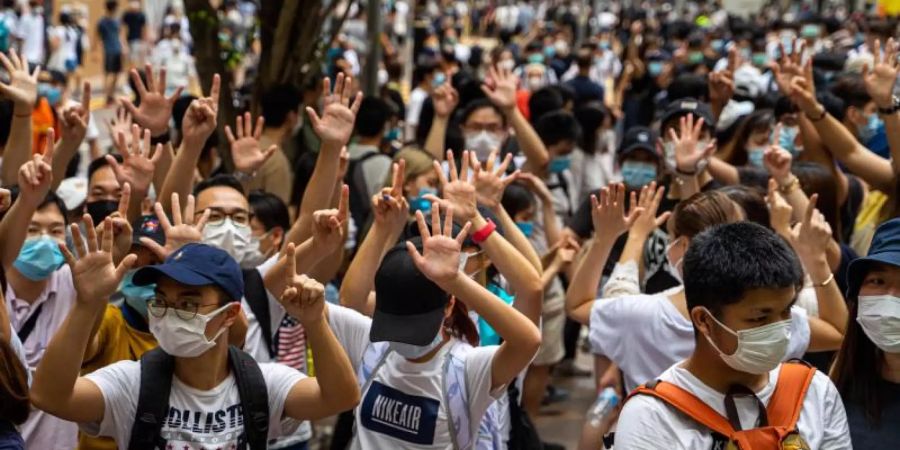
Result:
740,283
196,305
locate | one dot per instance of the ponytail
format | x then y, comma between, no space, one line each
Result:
460,326
14,401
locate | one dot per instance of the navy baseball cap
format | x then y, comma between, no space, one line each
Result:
148,226
409,308
885,249
197,265
638,138
688,105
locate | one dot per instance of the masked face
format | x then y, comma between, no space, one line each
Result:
788,140
482,143
675,258
526,226
136,296
637,174
231,237
755,156
180,337
101,209
559,164
410,351
759,350
879,317
39,258
865,132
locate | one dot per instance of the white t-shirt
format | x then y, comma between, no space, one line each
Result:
404,407
197,419
648,423
31,31
414,110
645,334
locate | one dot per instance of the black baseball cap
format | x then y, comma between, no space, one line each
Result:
885,249
638,138
198,265
688,105
409,308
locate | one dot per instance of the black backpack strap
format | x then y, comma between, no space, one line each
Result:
153,400
360,203
258,299
29,324
254,397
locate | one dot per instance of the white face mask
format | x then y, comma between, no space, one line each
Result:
482,143
507,64
410,351
233,238
879,316
254,256
183,338
672,164
674,267
759,349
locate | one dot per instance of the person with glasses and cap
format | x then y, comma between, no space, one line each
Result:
214,394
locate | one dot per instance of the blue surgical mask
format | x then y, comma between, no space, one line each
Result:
527,227
420,203
410,351
50,92
637,174
755,156
39,258
788,140
439,79
536,58
605,45
392,135
560,164
549,51
654,68
809,31
717,45
759,59
136,296
870,129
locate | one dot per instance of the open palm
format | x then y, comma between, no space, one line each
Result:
881,79
182,230
458,193
245,150
439,260
155,109
335,126
22,87
93,273
137,165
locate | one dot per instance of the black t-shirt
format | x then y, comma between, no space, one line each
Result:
867,435
135,22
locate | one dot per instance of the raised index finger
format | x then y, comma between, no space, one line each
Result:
810,209
214,90
125,200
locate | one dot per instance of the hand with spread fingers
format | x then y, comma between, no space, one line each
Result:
137,164
304,297
648,201
390,207
94,275
788,66
445,99
122,230
182,230
120,124
882,77
500,88
245,150
458,192
490,182
537,186
335,126
200,119
155,109
688,149
328,224
22,87
36,175
439,260
75,119
608,212
803,92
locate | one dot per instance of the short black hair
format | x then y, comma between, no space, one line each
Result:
112,5
852,91
558,126
725,261
50,199
544,101
222,179
180,108
373,114
517,198
278,102
688,85
100,163
270,210
477,104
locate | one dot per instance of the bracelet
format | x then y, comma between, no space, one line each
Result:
484,233
826,282
791,186
821,116
895,106
243,177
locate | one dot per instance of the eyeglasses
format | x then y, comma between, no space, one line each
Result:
185,308
217,216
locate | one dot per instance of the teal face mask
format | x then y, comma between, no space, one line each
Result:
39,258
392,135
717,45
536,58
420,203
527,227
654,68
755,156
870,129
136,296
560,164
759,59
638,174
788,140
695,57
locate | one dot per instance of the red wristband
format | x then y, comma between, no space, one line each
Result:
484,233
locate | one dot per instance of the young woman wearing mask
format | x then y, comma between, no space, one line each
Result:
419,179
750,141
867,368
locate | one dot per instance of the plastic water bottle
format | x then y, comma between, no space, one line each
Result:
606,401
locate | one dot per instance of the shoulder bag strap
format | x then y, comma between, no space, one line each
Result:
153,400
688,404
787,400
29,324
254,397
256,296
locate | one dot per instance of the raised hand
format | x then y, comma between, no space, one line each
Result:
75,119
458,192
536,186
303,297
22,87
180,231
721,83
439,260
93,273
200,118
780,211
500,88
445,100
812,235
155,110
121,123
335,126
608,213
648,202
390,207
881,79
788,66
803,92
490,182
5,199
36,176
122,230
245,151
688,151
778,160
137,165
328,224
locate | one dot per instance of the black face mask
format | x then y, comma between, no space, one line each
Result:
101,209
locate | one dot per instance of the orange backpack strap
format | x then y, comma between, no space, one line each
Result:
787,400
688,404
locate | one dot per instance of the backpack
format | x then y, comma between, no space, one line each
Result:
152,409
258,299
777,426
360,203
453,386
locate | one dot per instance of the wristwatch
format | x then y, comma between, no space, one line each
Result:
895,106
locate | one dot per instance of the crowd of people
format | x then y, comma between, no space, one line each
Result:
709,202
